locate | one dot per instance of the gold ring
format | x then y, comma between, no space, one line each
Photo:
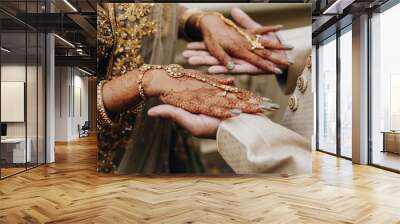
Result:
256,44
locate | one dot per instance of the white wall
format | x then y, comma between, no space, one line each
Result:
71,94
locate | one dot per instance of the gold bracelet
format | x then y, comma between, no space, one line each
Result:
183,21
254,42
177,71
103,118
142,70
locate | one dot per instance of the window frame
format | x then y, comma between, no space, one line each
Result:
336,35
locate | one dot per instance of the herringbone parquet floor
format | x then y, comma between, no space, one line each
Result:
70,191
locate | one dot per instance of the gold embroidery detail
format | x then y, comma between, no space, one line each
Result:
133,23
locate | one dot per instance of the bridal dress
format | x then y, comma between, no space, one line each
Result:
128,36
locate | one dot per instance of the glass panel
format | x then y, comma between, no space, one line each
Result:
13,87
32,86
385,84
327,96
41,98
346,94
31,99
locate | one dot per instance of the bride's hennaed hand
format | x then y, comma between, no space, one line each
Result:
224,42
205,95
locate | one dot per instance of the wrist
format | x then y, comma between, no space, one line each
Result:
206,20
151,82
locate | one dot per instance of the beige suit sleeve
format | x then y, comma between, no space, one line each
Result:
252,144
300,39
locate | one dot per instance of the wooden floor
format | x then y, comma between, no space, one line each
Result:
70,191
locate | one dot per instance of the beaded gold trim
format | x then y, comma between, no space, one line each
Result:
102,119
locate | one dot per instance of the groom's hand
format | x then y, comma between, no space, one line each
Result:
198,54
198,125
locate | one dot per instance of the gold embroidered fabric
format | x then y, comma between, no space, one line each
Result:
130,34
132,24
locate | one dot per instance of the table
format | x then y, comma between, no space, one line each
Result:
13,150
391,141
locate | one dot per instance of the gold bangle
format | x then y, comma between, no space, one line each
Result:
142,70
103,118
254,42
183,21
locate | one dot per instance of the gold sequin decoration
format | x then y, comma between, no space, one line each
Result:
133,23
105,38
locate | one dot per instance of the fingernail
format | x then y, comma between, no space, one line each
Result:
278,71
236,111
230,66
287,46
267,100
290,61
269,106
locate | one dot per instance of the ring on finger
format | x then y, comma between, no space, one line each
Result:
230,65
256,43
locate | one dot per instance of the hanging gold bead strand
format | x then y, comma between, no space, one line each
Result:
176,71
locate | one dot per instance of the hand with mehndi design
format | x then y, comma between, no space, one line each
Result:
196,104
205,97
223,45
201,107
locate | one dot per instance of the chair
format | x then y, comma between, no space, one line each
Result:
84,130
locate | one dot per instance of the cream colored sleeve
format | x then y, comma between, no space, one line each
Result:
253,144
300,39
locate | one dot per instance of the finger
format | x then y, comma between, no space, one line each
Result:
197,105
260,62
239,69
219,112
217,51
198,125
203,60
191,53
234,102
274,57
275,45
243,19
224,81
266,29
196,46
253,98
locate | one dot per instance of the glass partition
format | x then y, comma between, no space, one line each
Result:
385,89
327,96
346,92
14,153
22,89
